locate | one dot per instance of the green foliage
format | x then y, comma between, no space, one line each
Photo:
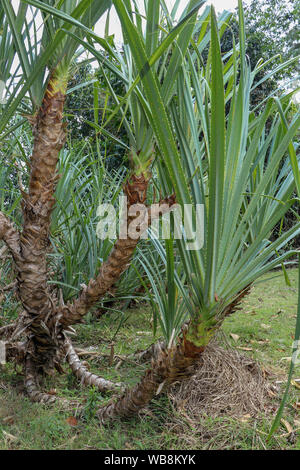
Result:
57,51
275,25
84,184
256,52
237,169
263,325
185,105
88,101
242,157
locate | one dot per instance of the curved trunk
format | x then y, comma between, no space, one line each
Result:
10,236
49,138
86,377
119,258
170,365
33,390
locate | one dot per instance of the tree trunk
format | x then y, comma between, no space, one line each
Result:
169,365
49,137
10,236
119,258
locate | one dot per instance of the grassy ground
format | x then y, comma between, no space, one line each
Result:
263,329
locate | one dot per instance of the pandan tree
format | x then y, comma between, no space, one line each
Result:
38,339
46,64
234,165
174,114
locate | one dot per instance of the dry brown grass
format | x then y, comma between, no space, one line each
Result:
226,382
227,385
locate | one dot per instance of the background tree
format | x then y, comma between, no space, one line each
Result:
275,25
255,51
88,102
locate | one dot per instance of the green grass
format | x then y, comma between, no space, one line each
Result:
267,322
264,327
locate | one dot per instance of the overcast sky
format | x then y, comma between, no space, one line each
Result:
115,28
115,25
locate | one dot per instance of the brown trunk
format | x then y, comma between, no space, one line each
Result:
49,137
10,236
168,366
31,385
118,260
33,390
86,377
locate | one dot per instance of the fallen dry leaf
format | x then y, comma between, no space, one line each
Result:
244,349
234,336
245,418
9,437
295,384
287,426
288,358
72,421
8,420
